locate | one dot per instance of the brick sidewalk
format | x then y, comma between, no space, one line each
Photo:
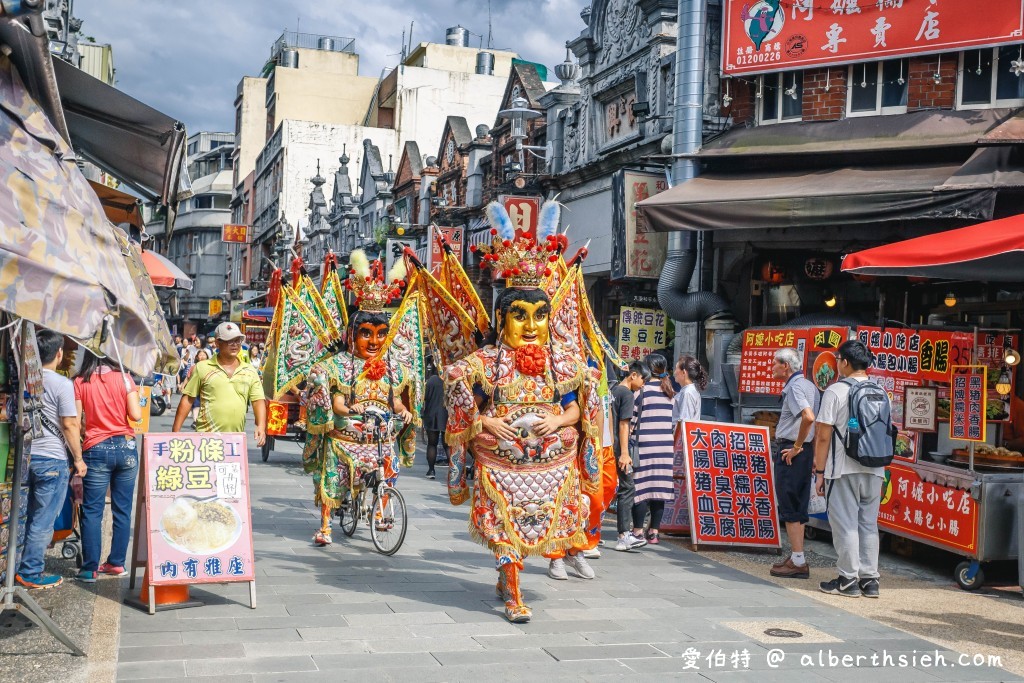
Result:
427,614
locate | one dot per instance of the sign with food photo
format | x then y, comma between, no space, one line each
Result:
197,509
822,367
992,348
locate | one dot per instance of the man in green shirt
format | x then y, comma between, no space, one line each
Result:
225,386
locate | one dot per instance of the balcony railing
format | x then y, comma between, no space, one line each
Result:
312,41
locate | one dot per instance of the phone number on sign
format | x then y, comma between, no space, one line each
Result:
758,58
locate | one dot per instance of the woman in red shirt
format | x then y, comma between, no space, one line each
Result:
107,401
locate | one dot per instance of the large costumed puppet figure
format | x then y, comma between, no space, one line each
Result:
527,407
382,369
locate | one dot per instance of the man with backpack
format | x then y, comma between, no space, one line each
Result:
854,441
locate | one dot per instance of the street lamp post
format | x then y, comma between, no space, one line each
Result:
517,117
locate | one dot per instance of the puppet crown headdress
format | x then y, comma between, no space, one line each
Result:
366,280
521,258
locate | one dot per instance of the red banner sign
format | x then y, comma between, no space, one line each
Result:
918,355
455,237
238,234
759,347
256,334
277,419
730,485
524,211
942,515
770,35
968,401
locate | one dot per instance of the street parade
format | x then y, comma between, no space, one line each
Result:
533,339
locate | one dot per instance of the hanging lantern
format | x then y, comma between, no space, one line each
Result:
818,268
773,273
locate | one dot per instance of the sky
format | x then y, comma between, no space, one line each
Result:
186,57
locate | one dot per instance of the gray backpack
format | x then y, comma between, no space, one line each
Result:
870,437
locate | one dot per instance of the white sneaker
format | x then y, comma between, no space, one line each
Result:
592,554
580,566
635,541
556,570
623,545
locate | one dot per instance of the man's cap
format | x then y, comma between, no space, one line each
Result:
228,332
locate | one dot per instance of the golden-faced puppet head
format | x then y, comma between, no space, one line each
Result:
525,315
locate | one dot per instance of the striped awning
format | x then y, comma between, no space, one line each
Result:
478,232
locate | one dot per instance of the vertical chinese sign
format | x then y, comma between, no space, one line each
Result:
991,351
197,522
641,331
759,347
730,485
637,251
454,235
967,407
942,515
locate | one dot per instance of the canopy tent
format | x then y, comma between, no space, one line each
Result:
986,252
120,207
163,272
62,264
259,314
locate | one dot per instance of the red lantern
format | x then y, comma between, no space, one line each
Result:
818,268
773,273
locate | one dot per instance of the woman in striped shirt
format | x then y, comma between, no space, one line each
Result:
653,474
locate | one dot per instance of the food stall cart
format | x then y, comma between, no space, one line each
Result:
949,488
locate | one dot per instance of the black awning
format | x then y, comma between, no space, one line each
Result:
811,198
862,134
132,141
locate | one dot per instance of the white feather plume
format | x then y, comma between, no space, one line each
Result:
499,219
398,271
359,262
547,222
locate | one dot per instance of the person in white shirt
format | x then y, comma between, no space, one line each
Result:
693,379
853,491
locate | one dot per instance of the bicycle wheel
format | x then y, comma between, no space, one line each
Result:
348,512
387,527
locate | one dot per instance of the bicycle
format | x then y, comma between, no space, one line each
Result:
386,514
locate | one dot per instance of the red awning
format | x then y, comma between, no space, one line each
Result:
164,273
986,252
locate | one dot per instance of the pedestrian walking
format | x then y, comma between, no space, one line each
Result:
107,401
653,474
226,387
49,474
623,403
434,416
852,490
793,460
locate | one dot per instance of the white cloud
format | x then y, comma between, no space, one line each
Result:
185,58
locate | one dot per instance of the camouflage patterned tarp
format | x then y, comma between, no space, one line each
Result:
62,264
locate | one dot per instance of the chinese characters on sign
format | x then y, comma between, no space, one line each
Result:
197,508
991,351
759,347
216,307
453,235
256,334
916,354
641,331
524,211
967,408
730,485
944,515
920,409
239,234
769,35
638,251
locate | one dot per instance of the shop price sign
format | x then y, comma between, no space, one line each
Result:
770,35
921,355
940,515
641,331
759,347
967,407
197,519
730,485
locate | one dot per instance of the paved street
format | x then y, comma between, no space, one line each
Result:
426,614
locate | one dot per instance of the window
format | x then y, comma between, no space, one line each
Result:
987,78
877,88
782,97
203,201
